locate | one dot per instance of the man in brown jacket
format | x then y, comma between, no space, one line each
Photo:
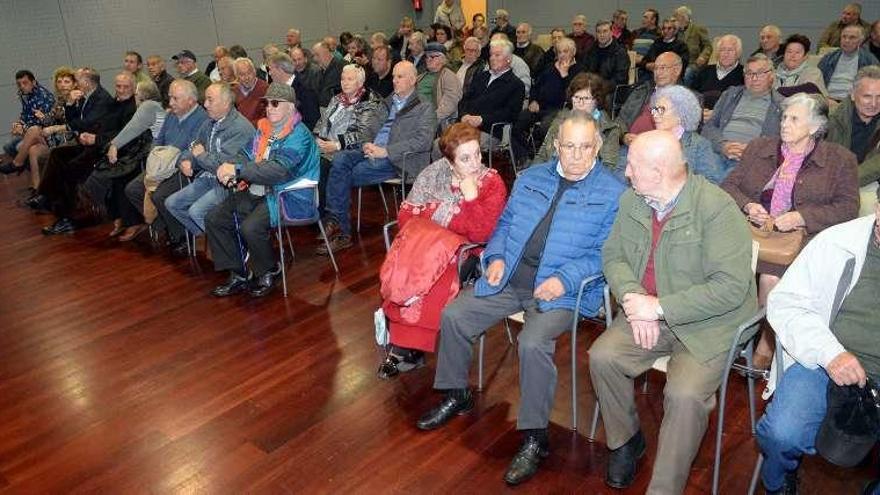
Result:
678,260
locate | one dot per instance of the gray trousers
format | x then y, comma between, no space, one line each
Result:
688,398
469,316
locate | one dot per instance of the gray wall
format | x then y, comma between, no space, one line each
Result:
41,35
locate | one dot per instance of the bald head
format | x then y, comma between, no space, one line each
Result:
655,166
667,69
404,76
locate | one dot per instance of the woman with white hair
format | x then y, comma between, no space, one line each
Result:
797,180
347,122
676,109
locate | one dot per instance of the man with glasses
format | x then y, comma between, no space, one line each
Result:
667,42
548,239
282,152
745,112
678,261
635,114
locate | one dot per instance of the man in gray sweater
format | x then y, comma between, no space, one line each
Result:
219,139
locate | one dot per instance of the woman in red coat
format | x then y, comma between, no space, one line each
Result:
455,200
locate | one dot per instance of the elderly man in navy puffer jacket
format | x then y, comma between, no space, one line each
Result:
548,239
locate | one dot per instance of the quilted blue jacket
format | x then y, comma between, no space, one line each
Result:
573,249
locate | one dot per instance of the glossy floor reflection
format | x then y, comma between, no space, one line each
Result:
119,374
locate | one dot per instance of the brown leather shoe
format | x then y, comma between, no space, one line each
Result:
132,232
337,243
118,229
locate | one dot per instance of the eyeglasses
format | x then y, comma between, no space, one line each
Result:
755,75
274,103
658,110
665,67
572,149
582,99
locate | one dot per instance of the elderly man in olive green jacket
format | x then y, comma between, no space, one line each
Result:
678,261
855,125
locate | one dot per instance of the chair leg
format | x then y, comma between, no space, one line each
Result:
595,426
507,327
327,244
722,402
750,382
280,240
360,194
290,245
574,402
384,201
645,384
756,474
480,364
512,161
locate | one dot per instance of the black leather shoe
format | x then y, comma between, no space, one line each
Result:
451,406
37,202
623,461
388,368
265,283
61,226
179,250
525,463
234,285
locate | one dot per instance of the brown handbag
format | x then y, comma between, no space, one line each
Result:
779,248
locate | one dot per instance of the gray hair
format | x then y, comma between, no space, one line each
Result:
862,33
738,43
567,42
502,14
528,27
148,91
226,93
379,35
684,103
270,49
282,61
131,79
506,44
816,107
417,37
583,118
867,72
685,11
187,86
90,74
244,61
760,57
359,73
773,29
471,40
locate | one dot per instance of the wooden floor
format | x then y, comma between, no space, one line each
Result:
120,374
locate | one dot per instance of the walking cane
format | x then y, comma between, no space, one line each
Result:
233,184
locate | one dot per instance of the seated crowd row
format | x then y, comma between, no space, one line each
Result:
706,149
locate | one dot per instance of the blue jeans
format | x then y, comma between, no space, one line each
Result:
351,169
192,204
791,422
11,148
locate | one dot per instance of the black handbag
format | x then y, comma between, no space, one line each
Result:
130,159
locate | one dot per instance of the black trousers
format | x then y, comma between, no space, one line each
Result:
67,167
253,218
135,192
322,183
111,193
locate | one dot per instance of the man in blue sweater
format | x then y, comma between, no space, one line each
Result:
179,130
548,239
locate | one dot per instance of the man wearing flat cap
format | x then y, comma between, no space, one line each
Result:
185,61
439,84
282,152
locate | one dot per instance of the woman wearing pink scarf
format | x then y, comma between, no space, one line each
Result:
794,181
